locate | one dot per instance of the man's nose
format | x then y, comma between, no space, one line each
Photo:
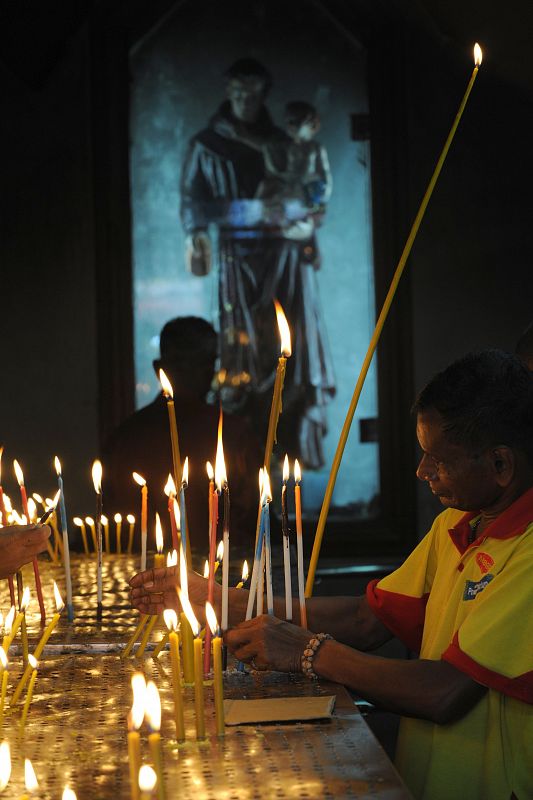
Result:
426,470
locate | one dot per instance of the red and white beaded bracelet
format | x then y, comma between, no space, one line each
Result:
310,652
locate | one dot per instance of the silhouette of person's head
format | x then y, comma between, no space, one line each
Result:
524,347
188,347
302,120
248,82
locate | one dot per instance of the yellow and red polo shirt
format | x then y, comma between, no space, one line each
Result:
471,605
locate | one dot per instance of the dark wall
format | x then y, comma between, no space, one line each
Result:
469,273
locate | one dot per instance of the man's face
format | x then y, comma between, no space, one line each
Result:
246,96
459,479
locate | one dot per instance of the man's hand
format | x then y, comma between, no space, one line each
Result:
19,544
269,643
155,589
198,254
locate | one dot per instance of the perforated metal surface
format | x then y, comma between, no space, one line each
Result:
76,729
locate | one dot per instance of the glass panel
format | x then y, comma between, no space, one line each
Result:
177,86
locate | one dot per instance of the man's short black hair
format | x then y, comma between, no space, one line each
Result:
485,399
249,68
298,111
188,340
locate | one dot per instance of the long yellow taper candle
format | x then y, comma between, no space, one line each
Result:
171,621
5,676
135,720
218,686
33,665
40,647
378,329
198,665
153,717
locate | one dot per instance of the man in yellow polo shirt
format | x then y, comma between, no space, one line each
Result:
462,600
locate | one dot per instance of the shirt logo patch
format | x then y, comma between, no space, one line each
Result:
472,588
484,562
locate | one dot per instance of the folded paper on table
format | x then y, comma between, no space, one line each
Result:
277,709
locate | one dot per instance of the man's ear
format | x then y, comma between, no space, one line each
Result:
504,464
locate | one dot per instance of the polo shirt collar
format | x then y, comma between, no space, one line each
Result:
511,522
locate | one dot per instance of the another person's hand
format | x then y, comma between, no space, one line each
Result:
266,642
19,544
155,589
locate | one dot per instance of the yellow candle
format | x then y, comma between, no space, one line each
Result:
32,664
8,629
153,717
30,780
40,647
81,525
92,528
118,523
171,620
199,688
135,720
144,516
187,641
377,333
135,635
134,760
146,635
218,685
131,520
3,670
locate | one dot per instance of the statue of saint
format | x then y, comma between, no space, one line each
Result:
262,191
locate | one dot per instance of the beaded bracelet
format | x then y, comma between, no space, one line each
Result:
310,652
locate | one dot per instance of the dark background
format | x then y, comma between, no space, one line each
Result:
65,285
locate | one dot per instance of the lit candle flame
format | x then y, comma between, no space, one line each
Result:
5,764
68,794
18,472
8,624
30,778
97,476
38,497
32,661
8,504
104,520
32,509
478,55
57,465
152,706
138,479
136,715
284,331
59,600
211,618
185,473
171,619
1,451
220,550
147,778
266,494
131,519
89,521
172,558
3,658
189,613
210,472
245,572
286,468
206,569
78,521
24,603
159,542
297,471
170,486
220,467
118,518
168,391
